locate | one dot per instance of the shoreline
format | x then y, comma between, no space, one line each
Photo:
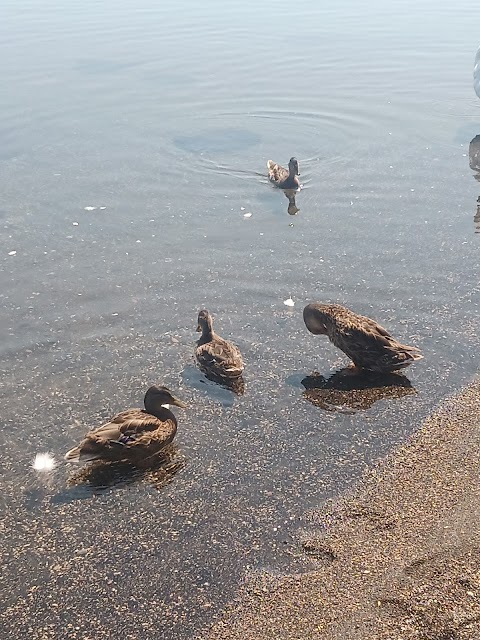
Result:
402,557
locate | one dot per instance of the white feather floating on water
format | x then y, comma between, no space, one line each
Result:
44,462
289,302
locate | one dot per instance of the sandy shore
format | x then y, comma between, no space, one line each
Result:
401,557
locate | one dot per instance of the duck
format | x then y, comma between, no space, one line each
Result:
364,341
135,435
217,357
284,178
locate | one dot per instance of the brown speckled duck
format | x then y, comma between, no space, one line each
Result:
284,178
216,356
134,435
365,342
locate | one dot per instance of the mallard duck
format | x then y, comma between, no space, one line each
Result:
365,342
216,356
284,178
135,434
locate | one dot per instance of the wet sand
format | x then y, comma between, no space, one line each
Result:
398,559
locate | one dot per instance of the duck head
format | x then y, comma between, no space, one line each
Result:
205,322
293,167
315,320
160,396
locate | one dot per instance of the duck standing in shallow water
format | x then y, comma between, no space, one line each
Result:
284,178
216,356
135,435
365,342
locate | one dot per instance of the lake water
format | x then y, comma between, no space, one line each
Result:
133,139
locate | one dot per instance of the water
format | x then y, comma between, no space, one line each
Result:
163,118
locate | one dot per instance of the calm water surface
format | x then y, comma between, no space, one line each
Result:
134,138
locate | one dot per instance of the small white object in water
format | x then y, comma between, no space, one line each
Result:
75,224
12,253
247,215
289,302
476,74
102,208
44,462
89,208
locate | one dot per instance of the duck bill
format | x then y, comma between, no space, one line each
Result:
178,403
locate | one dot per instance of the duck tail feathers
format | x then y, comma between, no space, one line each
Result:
73,455
78,455
416,355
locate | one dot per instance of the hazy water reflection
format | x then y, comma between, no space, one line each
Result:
134,141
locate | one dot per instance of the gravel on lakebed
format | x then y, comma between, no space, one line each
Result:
400,557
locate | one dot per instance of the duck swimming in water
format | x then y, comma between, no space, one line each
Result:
363,340
135,435
284,178
216,356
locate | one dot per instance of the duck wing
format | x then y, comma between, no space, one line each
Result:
131,433
377,329
276,173
221,357
132,422
372,347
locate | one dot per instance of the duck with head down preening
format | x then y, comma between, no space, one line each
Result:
363,340
136,435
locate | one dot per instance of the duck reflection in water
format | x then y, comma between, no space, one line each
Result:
292,208
236,385
100,476
474,156
346,393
